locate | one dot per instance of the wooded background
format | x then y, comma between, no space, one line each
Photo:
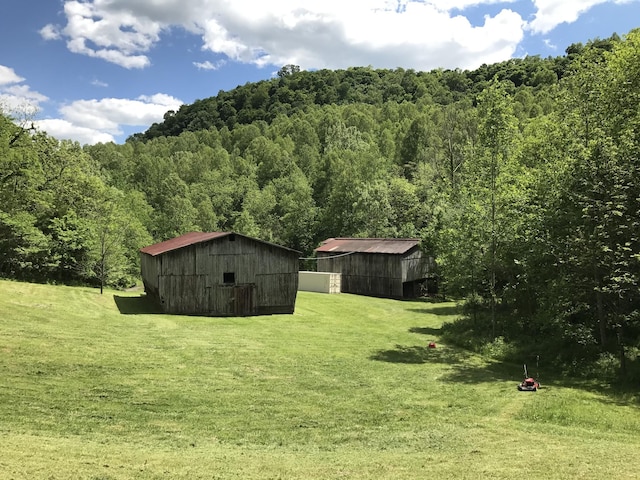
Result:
521,178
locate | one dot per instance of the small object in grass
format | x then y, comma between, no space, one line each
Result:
529,385
432,344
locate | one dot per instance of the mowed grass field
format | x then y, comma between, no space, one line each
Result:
103,387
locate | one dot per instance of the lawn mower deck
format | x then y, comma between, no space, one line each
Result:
528,385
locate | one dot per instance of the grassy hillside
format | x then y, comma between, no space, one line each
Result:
102,387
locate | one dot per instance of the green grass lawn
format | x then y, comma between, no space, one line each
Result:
103,387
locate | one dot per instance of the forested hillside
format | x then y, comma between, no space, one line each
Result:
520,177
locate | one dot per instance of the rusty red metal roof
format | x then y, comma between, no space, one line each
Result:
192,238
368,245
185,240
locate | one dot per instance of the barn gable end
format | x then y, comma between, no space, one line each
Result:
220,274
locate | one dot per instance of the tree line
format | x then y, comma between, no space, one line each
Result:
519,177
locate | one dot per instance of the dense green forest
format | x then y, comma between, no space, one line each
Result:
521,179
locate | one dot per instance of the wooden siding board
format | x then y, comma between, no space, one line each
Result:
220,300
178,262
244,300
149,270
243,266
373,286
373,274
415,266
183,294
275,289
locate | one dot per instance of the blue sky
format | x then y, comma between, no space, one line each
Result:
99,70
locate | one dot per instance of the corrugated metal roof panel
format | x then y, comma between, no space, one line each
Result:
368,245
190,238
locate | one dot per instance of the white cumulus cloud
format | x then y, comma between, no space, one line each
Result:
419,34
86,121
338,34
416,34
120,37
65,130
207,65
92,121
551,13
16,97
8,76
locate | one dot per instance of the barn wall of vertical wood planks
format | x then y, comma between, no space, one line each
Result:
220,274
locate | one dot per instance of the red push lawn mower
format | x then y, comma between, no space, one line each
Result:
529,384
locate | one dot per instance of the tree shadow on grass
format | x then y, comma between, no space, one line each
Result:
486,373
612,393
426,330
620,396
464,366
448,310
420,354
136,305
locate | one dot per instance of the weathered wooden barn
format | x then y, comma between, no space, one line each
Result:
220,274
377,267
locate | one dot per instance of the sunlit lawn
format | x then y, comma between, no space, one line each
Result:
102,387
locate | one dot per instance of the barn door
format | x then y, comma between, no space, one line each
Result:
243,300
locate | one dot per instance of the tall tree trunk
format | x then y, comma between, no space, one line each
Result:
602,325
451,164
493,245
623,357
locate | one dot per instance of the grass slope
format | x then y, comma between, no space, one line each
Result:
102,387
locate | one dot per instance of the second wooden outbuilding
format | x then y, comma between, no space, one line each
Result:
378,267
